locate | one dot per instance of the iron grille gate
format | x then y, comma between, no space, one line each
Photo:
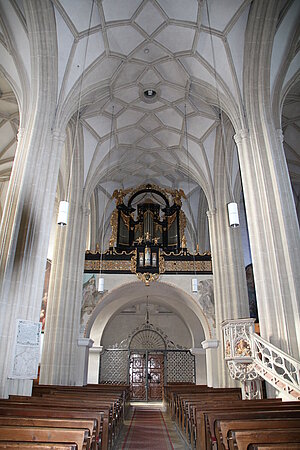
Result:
179,365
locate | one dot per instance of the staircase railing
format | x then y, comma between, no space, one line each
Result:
276,367
249,358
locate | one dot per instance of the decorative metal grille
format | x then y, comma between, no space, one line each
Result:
147,339
114,366
180,367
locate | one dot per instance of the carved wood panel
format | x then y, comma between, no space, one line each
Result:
155,376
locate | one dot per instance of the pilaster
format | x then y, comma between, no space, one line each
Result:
200,365
230,289
94,364
63,360
274,236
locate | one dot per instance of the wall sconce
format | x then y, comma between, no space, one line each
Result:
63,210
100,284
194,285
233,215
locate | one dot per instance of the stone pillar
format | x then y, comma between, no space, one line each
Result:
62,361
211,351
274,237
200,365
85,344
26,221
94,364
230,288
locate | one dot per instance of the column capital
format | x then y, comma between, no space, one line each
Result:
211,213
280,135
20,134
59,135
210,343
85,342
240,135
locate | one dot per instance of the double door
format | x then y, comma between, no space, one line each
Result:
146,375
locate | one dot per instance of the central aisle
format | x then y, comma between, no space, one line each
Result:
148,428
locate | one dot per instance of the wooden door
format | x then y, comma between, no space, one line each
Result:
155,376
137,376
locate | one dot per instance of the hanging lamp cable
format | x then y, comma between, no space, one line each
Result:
232,205
189,189
101,280
220,110
64,205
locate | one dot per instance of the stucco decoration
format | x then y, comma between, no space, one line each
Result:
207,302
90,298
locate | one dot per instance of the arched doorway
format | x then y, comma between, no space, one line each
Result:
147,360
146,364
111,328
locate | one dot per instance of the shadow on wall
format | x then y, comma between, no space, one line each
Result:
251,292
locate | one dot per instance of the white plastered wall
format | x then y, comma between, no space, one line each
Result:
171,291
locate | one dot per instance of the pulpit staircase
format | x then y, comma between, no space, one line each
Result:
276,367
251,358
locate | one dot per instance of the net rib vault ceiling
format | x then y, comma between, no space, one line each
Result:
116,49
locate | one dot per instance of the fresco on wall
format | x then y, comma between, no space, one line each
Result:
251,292
90,296
207,302
45,294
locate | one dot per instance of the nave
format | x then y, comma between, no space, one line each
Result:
100,417
148,426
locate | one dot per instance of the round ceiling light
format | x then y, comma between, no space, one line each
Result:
150,93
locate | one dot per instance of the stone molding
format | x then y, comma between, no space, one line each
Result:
241,135
210,343
197,351
85,342
98,350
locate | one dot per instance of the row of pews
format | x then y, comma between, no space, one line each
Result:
217,418
64,417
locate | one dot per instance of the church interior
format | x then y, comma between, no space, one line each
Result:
149,205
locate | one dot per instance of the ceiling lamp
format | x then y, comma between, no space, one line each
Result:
149,93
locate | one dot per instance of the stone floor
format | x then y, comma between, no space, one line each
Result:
177,441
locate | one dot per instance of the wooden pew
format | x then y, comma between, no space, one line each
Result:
43,435
207,419
26,410
104,404
111,401
226,426
287,446
212,403
87,425
187,404
242,439
35,446
118,398
111,389
104,407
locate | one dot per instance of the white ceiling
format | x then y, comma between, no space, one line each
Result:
127,46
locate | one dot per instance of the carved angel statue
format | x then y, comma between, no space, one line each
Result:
119,195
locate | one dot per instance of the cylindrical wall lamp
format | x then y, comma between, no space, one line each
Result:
194,285
63,210
100,284
233,215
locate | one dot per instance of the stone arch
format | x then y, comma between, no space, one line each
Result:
188,308
168,294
